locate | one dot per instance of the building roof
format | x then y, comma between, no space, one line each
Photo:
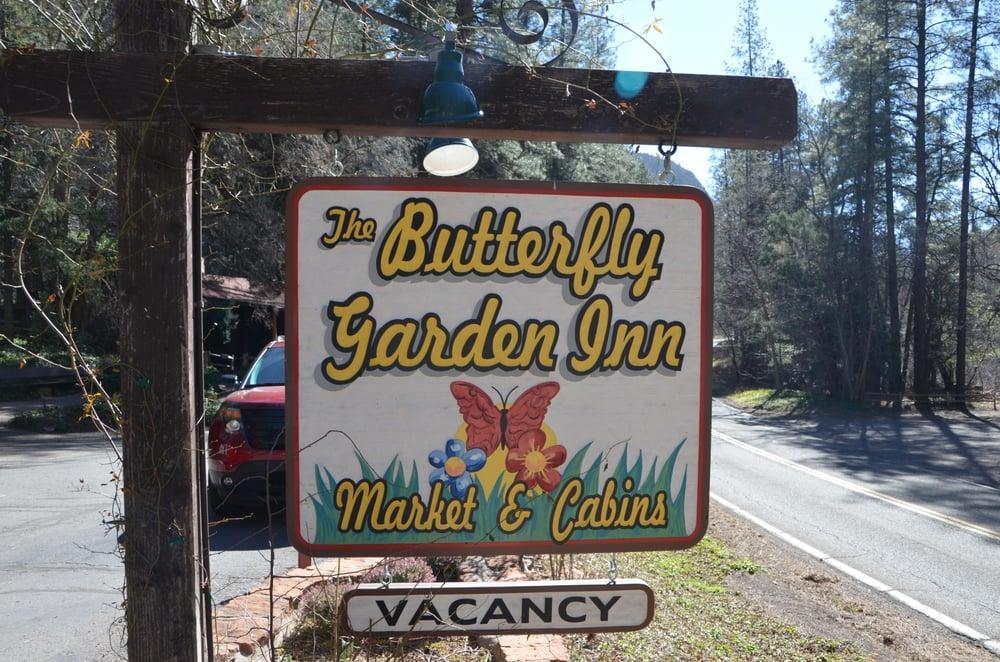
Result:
235,288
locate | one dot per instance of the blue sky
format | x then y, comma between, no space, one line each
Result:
697,38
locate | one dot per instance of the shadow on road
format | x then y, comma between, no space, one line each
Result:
950,460
247,531
23,443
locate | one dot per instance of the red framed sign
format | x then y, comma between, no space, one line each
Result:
497,367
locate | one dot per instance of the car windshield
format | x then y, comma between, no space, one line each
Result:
268,370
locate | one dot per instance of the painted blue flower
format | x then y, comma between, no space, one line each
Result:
454,464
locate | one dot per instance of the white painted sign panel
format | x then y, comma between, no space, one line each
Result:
520,367
498,607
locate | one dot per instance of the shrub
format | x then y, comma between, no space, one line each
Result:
409,570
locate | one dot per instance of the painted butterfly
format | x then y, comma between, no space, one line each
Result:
489,425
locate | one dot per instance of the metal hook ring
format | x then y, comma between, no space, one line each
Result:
332,136
665,152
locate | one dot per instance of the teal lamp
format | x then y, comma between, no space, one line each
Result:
447,100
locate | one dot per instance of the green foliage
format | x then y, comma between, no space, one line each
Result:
531,160
816,242
408,570
791,402
59,420
698,617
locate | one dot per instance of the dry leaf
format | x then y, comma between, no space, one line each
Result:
82,139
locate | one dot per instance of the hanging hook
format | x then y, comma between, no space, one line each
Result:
386,577
613,569
332,137
667,153
666,175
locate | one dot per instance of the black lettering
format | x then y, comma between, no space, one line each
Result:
564,612
604,607
545,613
392,618
498,611
453,611
426,612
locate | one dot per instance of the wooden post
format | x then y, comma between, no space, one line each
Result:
163,609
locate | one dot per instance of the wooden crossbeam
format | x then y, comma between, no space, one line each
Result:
365,97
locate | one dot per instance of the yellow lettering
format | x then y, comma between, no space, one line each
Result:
607,245
403,250
512,516
568,496
352,332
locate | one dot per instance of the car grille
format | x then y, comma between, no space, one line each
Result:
264,427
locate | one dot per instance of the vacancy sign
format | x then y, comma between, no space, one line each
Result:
498,608
497,367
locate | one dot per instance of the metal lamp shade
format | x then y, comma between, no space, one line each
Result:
448,157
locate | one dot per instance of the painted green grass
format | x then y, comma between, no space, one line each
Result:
401,482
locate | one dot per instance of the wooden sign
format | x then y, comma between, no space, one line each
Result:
523,367
498,608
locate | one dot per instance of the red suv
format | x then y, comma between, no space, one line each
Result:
246,440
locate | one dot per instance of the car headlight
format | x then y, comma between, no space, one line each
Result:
232,418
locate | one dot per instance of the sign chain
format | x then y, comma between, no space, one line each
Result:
613,568
386,577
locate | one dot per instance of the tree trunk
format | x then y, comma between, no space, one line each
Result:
907,340
921,330
866,231
163,609
963,242
6,181
7,246
892,270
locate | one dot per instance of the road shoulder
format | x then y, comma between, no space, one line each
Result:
815,599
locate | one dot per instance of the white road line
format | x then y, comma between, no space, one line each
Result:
985,487
991,645
860,489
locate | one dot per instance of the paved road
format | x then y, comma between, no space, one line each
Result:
60,580
948,465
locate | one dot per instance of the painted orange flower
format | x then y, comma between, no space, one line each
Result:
533,463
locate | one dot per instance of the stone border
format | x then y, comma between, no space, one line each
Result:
241,624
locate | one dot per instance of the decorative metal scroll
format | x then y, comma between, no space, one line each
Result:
532,22
222,15
549,29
